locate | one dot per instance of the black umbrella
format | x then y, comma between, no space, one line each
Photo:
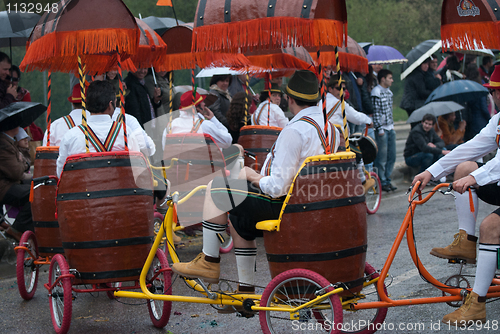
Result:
418,54
20,114
15,28
459,91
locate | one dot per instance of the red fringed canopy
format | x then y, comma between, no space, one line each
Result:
470,24
296,58
179,55
81,28
241,25
152,49
351,57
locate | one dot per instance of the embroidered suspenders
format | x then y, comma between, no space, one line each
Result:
333,110
110,139
267,170
69,121
256,119
196,125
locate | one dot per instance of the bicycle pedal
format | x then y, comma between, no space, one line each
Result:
457,261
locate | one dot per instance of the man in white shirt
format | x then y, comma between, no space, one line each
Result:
483,180
101,103
255,197
268,112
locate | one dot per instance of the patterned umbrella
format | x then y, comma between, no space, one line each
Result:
152,49
383,54
351,57
467,24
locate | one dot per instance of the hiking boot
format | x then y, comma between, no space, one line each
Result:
368,184
463,247
176,238
473,309
203,266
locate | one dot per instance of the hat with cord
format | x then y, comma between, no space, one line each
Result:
303,86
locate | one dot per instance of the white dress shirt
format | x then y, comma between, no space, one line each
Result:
276,115
135,129
73,141
296,142
351,114
58,128
185,122
483,143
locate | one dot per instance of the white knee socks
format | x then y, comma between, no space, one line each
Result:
211,242
245,260
466,218
486,266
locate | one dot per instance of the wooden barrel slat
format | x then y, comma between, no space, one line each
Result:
122,214
43,207
258,139
328,239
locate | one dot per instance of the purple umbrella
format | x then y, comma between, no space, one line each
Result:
382,54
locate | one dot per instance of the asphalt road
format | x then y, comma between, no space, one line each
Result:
435,224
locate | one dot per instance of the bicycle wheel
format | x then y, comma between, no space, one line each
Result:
374,195
159,310
365,321
60,297
293,288
227,243
26,269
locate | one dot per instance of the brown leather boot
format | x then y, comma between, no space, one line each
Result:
463,247
202,266
473,309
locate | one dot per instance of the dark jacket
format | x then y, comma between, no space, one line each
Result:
366,101
418,139
12,166
415,91
220,107
136,101
477,116
5,99
431,82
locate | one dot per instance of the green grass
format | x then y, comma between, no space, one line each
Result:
399,114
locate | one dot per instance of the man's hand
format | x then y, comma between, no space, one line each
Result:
445,152
462,125
424,178
431,145
251,175
439,76
207,113
12,90
464,183
157,94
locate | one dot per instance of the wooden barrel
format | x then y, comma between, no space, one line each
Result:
323,225
258,139
43,207
202,160
105,214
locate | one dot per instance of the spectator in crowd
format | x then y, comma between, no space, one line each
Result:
218,86
452,137
450,71
423,146
238,84
477,114
236,114
8,91
432,77
163,83
382,99
138,102
485,68
22,142
366,102
415,91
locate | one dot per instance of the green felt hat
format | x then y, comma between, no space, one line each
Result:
303,86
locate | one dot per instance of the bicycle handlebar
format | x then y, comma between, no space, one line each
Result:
44,180
171,164
416,187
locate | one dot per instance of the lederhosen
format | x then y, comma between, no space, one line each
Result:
246,203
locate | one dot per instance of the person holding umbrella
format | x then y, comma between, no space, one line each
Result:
472,181
8,91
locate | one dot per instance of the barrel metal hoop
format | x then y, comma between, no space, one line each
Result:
336,255
104,194
102,163
253,132
327,168
109,274
48,156
108,243
329,204
258,149
47,224
55,250
220,164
